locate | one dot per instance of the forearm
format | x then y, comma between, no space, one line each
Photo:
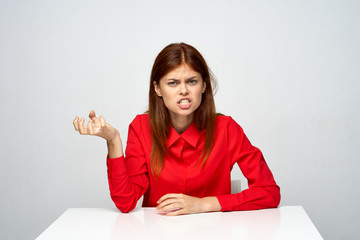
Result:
114,146
125,190
251,199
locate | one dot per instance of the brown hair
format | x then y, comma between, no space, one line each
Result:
168,59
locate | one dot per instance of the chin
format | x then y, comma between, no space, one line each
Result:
184,113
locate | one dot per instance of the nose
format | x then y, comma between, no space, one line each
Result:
184,89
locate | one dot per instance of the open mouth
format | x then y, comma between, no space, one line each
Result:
184,103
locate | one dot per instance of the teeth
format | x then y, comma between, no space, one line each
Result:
184,101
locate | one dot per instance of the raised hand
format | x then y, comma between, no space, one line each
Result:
98,127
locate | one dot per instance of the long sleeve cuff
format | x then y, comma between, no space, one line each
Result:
226,202
251,199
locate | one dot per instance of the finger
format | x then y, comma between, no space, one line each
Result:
167,202
76,123
93,117
169,195
102,121
92,114
176,212
172,207
89,127
82,128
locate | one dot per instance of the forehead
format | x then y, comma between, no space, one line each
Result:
182,71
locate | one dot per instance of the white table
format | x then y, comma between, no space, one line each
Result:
147,223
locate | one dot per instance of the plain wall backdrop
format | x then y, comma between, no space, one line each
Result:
287,71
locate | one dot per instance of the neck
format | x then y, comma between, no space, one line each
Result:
181,123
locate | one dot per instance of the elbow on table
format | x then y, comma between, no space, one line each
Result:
125,209
275,196
125,205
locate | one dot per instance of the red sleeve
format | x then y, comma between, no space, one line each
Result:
128,179
263,192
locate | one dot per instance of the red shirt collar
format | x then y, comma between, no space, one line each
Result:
191,136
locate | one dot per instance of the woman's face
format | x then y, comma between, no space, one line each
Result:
181,90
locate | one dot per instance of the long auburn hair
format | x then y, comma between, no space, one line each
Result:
168,59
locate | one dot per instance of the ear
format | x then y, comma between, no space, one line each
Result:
157,89
204,87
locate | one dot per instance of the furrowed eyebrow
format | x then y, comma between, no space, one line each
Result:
192,78
174,79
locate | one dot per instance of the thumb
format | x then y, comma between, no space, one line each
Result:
92,115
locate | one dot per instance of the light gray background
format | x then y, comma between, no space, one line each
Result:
288,72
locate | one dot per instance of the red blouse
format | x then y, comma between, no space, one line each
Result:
130,177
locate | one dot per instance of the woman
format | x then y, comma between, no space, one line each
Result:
179,155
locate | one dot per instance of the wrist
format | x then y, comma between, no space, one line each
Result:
114,147
115,138
210,204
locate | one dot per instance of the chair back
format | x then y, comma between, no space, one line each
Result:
235,186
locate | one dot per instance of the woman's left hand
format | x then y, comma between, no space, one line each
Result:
177,204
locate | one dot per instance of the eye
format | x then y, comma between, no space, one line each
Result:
192,82
172,84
